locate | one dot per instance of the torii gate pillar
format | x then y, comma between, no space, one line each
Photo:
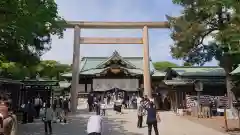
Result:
110,25
75,69
146,64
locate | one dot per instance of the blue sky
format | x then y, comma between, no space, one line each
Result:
115,10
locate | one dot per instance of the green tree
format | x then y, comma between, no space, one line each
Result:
219,19
162,65
48,68
13,70
187,64
51,69
26,28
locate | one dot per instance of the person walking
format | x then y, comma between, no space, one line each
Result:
24,111
37,105
152,119
31,112
98,106
103,108
48,117
90,102
65,110
58,108
141,113
95,125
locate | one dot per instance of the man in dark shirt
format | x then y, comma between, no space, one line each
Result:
90,102
152,119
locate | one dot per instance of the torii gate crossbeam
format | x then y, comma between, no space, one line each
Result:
78,25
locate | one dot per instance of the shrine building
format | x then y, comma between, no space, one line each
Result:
101,74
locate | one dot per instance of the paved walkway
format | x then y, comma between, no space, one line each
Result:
124,124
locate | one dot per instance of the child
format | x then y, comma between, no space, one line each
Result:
103,108
48,117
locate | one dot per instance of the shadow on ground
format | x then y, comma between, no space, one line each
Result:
76,126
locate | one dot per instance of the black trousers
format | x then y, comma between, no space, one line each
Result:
37,109
48,124
94,133
30,118
154,126
140,120
24,118
90,107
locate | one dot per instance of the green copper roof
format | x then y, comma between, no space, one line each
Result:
159,73
86,72
236,71
135,71
40,83
116,56
192,81
93,65
178,82
9,81
199,71
64,84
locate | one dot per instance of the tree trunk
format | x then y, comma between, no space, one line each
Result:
229,86
227,65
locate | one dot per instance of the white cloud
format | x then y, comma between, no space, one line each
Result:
114,10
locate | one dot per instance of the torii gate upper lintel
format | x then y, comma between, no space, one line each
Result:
116,25
78,25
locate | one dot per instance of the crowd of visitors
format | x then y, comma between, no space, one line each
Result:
145,107
49,111
119,101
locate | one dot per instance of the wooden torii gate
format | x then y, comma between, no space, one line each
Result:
78,25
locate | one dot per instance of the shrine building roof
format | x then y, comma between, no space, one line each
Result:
95,65
236,71
198,71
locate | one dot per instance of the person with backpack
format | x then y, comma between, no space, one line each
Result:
8,120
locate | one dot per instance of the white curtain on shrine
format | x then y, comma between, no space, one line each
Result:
89,88
81,88
107,84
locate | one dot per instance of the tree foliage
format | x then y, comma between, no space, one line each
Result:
187,64
163,65
47,68
26,28
219,19
201,19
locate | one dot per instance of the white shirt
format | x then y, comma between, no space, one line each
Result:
103,106
94,124
37,101
139,100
